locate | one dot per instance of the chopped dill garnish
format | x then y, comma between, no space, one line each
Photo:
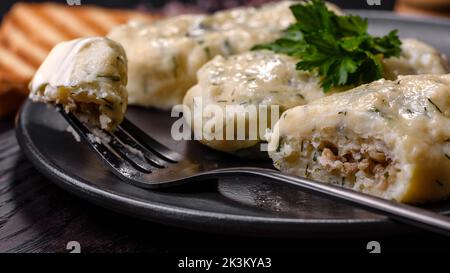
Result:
227,47
280,143
113,78
434,104
374,110
300,95
107,101
175,66
207,51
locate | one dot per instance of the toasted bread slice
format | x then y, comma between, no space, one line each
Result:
30,30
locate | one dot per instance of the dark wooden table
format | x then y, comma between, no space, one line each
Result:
37,216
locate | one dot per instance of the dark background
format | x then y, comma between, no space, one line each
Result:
200,5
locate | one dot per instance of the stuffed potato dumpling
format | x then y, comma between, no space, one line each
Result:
387,138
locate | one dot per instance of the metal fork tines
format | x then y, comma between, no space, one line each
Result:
128,151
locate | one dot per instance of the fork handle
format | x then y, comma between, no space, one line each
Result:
414,216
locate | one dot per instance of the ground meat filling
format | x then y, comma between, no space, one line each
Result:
87,112
362,163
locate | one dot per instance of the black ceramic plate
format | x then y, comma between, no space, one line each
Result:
241,205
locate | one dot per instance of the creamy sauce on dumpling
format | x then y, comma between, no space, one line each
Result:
57,68
164,56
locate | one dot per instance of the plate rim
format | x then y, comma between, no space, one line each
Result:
391,15
178,216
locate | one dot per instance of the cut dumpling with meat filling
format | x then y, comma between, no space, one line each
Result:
87,76
389,138
264,78
164,56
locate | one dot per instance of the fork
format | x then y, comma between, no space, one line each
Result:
142,161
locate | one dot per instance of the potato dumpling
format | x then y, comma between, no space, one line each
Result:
164,56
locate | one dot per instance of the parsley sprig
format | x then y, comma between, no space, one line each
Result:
337,48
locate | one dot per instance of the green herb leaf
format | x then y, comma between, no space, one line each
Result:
337,48
435,105
113,78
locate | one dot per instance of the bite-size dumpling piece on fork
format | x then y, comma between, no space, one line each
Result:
86,76
388,138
